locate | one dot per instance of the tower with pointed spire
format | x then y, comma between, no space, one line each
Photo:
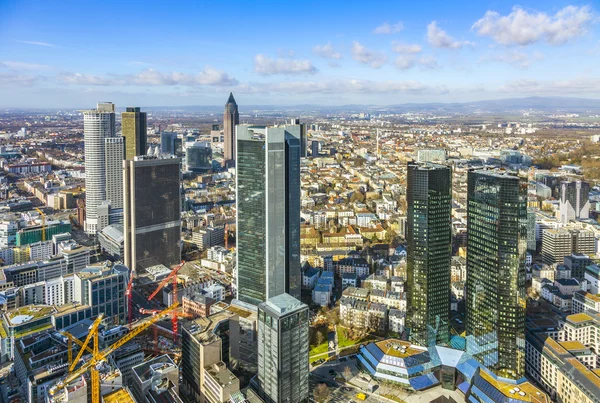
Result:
231,118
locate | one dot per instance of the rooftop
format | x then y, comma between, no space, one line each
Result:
118,396
27,313
524,392
399,348
579,318
283,304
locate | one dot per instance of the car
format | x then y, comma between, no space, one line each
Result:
347,389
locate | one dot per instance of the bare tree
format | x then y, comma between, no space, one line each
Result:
347,372
319,337
321,393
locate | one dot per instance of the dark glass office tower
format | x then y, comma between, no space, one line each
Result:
268,212
134,131
152,212
496,248
429,248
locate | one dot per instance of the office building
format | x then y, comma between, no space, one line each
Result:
98,125
170,143
134,131
198,156
314,149
574,201
113,161
205,353
556,245
283,350
303,137
428,244
431,155
152,212
153,378
495,292
231,118
268,212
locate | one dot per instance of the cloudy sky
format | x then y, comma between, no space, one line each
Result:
167,53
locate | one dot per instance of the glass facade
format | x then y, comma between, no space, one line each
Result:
268,206
152,226
496,249
134,131
283,350
429,240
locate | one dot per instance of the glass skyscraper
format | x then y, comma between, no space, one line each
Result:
429,241
283,350
134,131
268,212
496,248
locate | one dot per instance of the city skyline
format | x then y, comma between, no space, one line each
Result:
346,54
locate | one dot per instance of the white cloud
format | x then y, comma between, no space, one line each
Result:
386,28
405,62
266,66
38,43
374,58
327,51
514,58
150,77
405,48
337,87
17,80
559,87
523,28
23,66
439,38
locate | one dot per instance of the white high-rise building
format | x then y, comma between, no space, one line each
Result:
114,153
98,124
574,201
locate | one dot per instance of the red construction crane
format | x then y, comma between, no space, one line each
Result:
172,276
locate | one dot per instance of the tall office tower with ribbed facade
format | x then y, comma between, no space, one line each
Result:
574,201
113,161
429,252
134,131
231,118
98,125
152,212
496,249
268,212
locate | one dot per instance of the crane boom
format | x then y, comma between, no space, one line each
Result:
102,355
93,330
166,280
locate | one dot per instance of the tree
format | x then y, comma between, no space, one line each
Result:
319,337
321,393
347,372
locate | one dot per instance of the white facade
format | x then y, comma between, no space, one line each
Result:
113,160
98,124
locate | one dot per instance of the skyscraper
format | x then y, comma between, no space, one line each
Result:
98,124
231,118
283,350
134,131
428,244
152,212
574,201
303,138
496,248
268,212
113,161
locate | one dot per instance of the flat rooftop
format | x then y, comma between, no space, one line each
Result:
118,396
28,313
399,348
524,392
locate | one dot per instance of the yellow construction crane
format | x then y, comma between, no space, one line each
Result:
99,356
43,216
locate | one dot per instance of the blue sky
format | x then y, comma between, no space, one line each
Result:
72,53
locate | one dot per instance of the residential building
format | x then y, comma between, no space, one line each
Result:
428,243
495,292
152,219
268,212
283,350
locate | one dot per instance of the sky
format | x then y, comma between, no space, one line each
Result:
72,54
